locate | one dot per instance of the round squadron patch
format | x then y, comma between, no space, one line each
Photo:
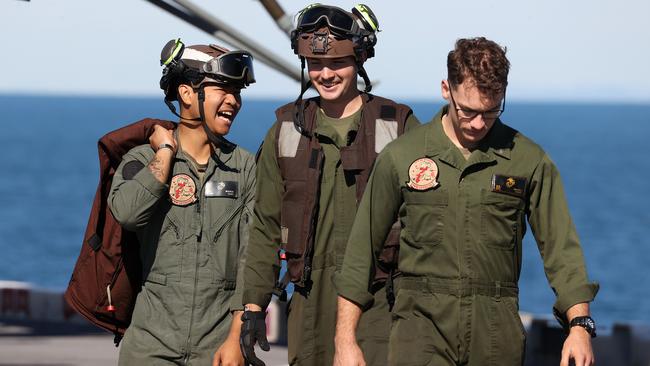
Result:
423,174
182,190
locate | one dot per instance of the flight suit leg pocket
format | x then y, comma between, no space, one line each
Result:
507,334
424,219
411,340
300,329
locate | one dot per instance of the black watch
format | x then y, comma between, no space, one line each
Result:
586,322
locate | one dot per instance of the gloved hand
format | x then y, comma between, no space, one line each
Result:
253,330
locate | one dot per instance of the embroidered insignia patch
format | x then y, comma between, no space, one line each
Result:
319,42
423,174
182,190
514,186
131,168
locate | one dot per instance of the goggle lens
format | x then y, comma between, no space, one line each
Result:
235,65
335,17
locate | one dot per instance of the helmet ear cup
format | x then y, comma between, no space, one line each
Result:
172,52
170,57
370,25
371,41
367,17
294,40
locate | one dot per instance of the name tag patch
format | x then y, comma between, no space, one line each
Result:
514,186
227,188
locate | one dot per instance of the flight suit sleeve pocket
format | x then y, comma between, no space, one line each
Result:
501,220
425,214
160,279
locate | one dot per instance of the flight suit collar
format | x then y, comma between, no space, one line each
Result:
498,142
437,144
218,158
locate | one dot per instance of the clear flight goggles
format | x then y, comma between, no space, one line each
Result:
337,19
232,66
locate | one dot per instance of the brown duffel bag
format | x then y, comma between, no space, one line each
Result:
107,276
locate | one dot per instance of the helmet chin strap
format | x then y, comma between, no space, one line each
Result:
172,108
299,104
366,80
217,140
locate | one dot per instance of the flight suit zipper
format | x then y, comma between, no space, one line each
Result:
196,275
225,223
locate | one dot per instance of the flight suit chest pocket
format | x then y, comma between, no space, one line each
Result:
222,251
501,220
425,216
164,255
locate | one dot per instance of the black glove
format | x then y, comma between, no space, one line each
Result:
253,330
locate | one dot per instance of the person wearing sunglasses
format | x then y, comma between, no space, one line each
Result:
314,164
188,196
463,186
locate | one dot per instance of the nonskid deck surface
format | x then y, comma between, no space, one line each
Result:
38,328
38,343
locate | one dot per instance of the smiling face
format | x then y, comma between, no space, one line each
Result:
221,106
335,79
222,103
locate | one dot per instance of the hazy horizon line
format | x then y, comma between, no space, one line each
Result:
413,99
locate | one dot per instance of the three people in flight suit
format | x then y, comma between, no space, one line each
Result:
453,195
463,186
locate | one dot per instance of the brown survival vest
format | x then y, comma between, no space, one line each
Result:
301,158
107,276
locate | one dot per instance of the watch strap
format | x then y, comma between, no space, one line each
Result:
585,322
166,146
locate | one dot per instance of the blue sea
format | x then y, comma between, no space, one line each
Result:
49,174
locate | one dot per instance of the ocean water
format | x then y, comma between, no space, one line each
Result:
49,173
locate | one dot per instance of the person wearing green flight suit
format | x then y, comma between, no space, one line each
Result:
312,169
462,186
188,195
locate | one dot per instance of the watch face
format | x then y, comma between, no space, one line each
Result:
586,322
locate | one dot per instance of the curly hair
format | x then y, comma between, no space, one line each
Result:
481,60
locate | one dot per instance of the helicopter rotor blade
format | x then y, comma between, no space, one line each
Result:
282,20
189,12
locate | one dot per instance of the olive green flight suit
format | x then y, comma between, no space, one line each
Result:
312,319
190,255
460,246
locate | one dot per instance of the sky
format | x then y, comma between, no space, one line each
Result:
566,51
